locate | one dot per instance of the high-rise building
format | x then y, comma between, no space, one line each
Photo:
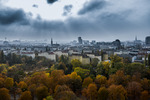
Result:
147,40
79,40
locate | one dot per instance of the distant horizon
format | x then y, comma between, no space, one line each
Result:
65,41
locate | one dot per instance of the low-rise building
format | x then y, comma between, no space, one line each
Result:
48,55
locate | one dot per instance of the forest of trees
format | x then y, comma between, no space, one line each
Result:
24,78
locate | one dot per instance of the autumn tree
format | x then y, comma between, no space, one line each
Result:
103,68
22,85
32,89
26,96
119,78
144,95
100,80
75,82
38,78
4,94
103,93
92,91
41,92
86,82
134,90
1,82
9,82
3,68
64,93
117,92
145,84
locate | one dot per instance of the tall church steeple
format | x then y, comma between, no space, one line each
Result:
135,38
51,41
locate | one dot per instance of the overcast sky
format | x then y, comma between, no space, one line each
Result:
65,20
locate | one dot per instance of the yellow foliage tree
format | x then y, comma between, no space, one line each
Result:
9,82
26,96
92,91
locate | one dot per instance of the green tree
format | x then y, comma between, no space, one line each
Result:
115,59
49,98
82,72
94,62
148,60
63,59
62,66
2,57
75,63
103,68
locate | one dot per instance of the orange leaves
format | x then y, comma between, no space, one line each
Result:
92,91
26,96
134,90
9,82
117,92
4,94
87,81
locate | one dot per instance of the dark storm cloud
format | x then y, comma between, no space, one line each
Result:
11,16
92,6
51,1
35,6
67,10
56,26
113,20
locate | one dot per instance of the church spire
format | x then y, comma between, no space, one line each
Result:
51,41
135,38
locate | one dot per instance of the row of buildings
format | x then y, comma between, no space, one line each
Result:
135,51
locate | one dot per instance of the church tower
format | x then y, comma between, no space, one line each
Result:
136,38
51,41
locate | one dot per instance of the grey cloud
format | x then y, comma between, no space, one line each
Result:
92,6
99,25
35,6
11,16
67,10
51,1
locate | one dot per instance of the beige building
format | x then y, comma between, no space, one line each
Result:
83,60
47,55
59,53
29,54
94,56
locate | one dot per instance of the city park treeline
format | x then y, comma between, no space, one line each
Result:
24,78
